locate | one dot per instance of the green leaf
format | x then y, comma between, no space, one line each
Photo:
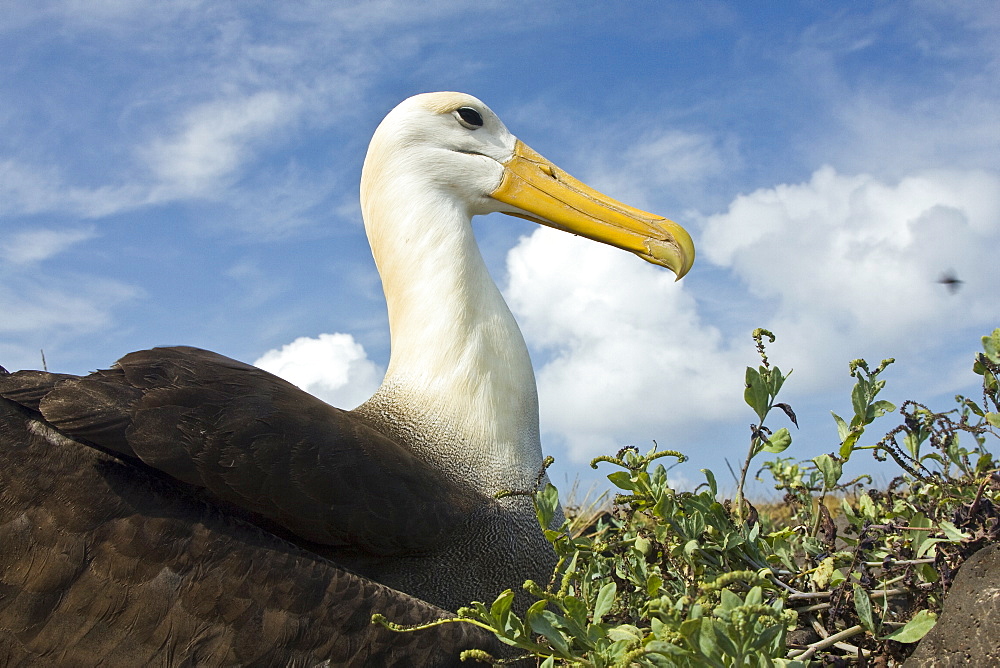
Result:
831,469
991,346
605,600
881,407
662,647
500,609
842,429
728,600
863,604
535,608
756,394
768,636
952,532
625,632
546,503
546,623
576,610
928,573
915,629
653,585
643,546
927,545
779,441
847,447
622,480
712,485
867,506
663,504
973,406
706,638
725,643
776,381
859,399
656,659
571,566
752,379
993,419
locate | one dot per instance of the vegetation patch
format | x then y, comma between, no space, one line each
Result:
847,574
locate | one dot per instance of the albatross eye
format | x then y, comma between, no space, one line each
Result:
469,117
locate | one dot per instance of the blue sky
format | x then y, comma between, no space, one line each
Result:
187,172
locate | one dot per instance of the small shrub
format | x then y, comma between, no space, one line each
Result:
682,579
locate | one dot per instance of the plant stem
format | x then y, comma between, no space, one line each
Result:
826,642
740,499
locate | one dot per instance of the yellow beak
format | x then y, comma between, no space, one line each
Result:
550,196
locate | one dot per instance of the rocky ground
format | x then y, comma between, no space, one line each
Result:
968,630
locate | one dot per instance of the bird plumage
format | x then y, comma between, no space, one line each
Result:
105,562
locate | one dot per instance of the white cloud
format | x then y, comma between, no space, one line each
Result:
61,306
896,138
214,144
333,367
851,263
838,267
37,245
656,160
28,190
225,87
630,358
216,140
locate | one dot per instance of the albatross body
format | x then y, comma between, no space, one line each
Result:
145,473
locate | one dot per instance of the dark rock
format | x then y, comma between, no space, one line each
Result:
968,631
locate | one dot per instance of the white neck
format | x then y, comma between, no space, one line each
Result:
459,370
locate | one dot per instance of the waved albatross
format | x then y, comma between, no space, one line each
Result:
182,507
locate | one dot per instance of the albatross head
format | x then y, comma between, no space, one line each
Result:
453,145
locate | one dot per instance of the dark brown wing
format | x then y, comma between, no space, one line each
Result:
257,442
105,563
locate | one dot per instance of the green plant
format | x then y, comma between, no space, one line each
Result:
688,579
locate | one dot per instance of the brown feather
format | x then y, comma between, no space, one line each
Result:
106,563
